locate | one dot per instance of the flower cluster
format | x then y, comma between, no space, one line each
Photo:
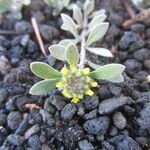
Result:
76,83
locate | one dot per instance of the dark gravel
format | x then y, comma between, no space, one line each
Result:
97,126
109,105
116,117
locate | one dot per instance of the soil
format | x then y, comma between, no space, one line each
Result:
117,117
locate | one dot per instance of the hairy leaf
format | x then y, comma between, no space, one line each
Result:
65,42
88,7
100,51
43,87
93,65
96,20
99,12
117,79
44,71
69,25
72,54
97,33
57,51
77,15
108,72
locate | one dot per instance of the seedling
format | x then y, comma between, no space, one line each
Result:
75,80
13,7
59,5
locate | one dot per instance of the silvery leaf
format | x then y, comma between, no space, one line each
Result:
57,51
69,25
96,20
65,42
77,15
99,12
88,7
43,87
44,71
100,51
97,33
72,54
117,79
93,65
108,72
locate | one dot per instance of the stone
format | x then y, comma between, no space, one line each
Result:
68,111
34,142
109,105
23,27
119,120
133,66
97,126
48,32
15,139
85,145
131,41
144,119
13,120
32,131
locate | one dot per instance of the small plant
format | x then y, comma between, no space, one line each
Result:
141,4
76,80
13,7
58,5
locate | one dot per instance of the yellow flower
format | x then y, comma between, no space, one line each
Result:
89,92
64,70
86,71
59,84
94,84
76,83
73,68
66,93
75,100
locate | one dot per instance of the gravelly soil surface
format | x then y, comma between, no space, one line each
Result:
117,117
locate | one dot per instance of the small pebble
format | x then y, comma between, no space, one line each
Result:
13,120
109,105
85,145
23,27
97,126
15,139
48,32
119,120
32,131
68,111
34,142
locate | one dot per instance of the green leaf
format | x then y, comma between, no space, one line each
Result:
43,87
69,25
100,51
96,20
65,42
44,71
99,12
117,79
77,15
4,5
72,54
93,65
57,51
88,7
97,33
108,72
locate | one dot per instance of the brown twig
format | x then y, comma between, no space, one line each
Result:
38,36
143,16
32,106
129,8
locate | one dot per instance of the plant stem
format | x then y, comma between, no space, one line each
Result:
83,44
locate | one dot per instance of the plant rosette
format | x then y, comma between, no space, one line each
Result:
72,81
